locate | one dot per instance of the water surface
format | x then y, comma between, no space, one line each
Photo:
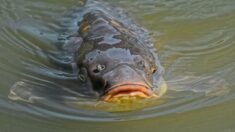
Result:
195,41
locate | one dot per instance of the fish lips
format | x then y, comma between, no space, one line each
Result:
132,89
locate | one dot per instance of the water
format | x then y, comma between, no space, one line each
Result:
195,42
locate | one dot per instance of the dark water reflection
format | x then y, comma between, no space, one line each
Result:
195,42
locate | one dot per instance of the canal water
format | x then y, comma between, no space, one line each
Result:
195,42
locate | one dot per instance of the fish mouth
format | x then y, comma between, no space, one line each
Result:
128,90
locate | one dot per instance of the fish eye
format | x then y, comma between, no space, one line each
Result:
142,64
99,68
82,77
153,69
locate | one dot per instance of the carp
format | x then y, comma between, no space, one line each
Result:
114,59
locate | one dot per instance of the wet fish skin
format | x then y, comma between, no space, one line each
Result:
110,53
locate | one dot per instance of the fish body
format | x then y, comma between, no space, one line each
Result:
113,58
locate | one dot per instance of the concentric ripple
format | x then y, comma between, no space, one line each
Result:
196,46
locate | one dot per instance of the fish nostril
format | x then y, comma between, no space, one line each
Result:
99,68
140,62
96,71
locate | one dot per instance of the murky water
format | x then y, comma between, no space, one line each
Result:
195,40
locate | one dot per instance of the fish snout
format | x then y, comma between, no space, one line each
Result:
132,90
125,82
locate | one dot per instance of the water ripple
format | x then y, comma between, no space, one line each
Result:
197,51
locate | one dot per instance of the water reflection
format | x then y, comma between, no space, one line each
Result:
197,55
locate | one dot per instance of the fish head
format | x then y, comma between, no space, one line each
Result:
118,73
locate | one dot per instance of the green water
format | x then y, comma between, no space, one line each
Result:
195,40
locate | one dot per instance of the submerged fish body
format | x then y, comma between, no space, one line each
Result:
114,59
